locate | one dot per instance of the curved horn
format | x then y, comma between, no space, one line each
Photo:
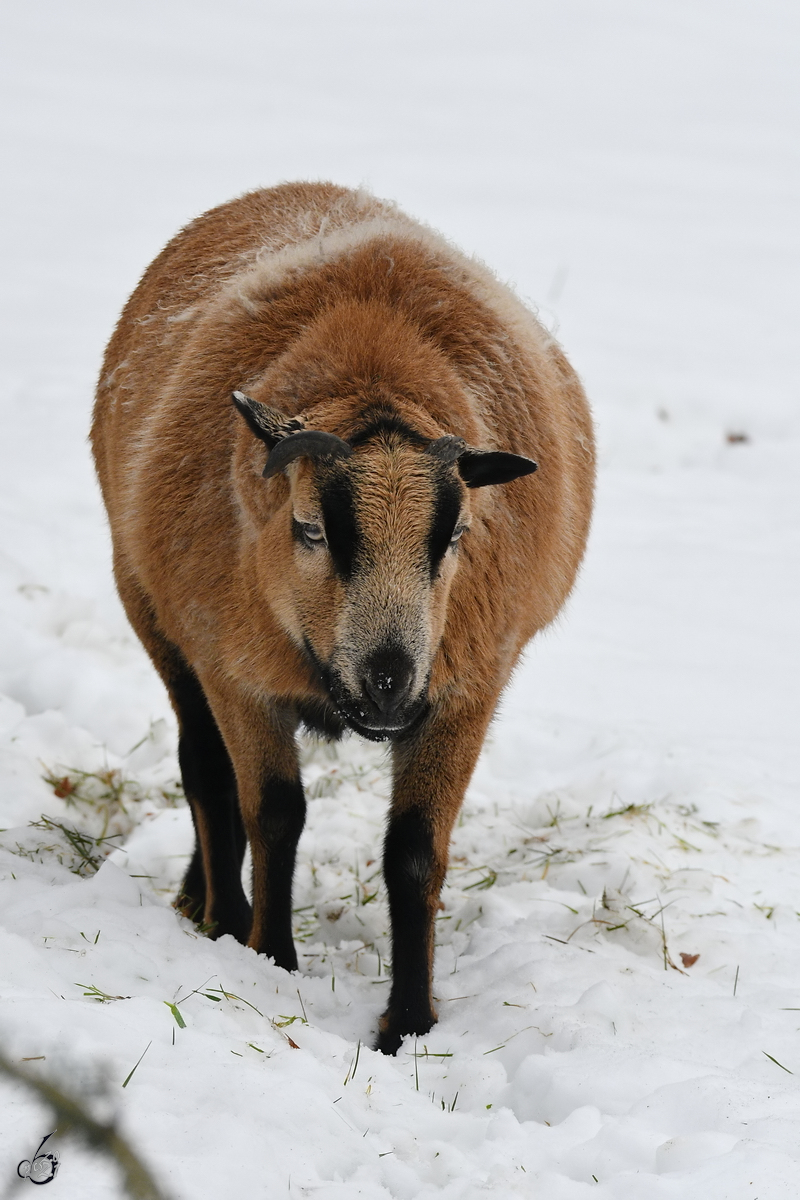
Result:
312,443
448,448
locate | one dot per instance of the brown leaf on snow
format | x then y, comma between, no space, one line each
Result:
689,960
292,1042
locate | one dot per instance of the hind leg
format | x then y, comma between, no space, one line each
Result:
212,889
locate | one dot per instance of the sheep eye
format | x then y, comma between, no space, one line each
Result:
313,533
457,532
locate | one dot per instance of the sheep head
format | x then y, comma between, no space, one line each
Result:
368,546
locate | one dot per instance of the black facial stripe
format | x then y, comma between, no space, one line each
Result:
446,509
341,527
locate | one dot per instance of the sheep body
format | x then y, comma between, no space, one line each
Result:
388,571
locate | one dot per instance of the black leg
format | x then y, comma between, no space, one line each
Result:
212,890
280,822
431,771
413,883
191,898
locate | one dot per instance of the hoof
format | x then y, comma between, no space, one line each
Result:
393,1030
236,922
283,954
388,1042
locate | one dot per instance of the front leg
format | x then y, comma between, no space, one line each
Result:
274,832
261,741
431,773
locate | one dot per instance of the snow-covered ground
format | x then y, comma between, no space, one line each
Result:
618,969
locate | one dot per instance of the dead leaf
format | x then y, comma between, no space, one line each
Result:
689,960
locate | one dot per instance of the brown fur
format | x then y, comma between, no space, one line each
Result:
329,304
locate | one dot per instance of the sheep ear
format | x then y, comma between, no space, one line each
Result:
479,468
268,424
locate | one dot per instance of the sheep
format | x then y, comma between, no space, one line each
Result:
348,477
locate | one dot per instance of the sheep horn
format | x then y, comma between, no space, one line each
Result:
448,448
312,443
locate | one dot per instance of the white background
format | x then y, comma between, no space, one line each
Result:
632,169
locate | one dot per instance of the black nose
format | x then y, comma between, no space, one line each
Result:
388,675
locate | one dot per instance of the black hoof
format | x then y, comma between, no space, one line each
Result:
236,922
394,1029
389,1042
284,956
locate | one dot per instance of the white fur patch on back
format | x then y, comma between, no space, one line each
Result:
343,229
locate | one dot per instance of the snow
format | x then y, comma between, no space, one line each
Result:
633,169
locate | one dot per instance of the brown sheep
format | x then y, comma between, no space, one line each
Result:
369,575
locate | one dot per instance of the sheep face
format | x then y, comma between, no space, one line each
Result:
368,543
375,546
